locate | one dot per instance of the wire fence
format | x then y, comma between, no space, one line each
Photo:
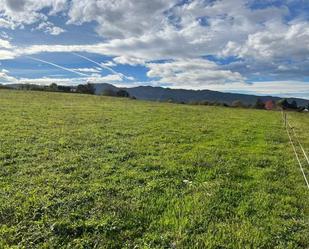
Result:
293,137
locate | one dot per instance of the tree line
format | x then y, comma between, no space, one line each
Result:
259,104
81,88
90,89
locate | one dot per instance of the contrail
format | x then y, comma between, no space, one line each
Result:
58,66
100,65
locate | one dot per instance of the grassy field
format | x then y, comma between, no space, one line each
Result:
81,171
300,123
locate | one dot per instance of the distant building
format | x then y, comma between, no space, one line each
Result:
270,105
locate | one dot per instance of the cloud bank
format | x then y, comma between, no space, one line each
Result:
197,42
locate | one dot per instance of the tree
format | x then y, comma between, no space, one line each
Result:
87,89
270,105
293,105
64,88
53,87
283,103
259,104
237,103
123,93
114,93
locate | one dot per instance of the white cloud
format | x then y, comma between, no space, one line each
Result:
139,30
6,54
5,77
49,28
279,42
129,60
88,70
5,35
49,80
55,30
18,13
136,32
5,44
196,73
107,78
122,18
6,24
275,88
108,64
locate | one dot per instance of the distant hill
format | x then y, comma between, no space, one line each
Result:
186,96
100,88
176,95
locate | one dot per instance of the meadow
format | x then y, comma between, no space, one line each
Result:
82,171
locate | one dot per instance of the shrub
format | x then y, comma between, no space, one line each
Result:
123,93
293,105
237,103
53,87
284,104
87,89
259,104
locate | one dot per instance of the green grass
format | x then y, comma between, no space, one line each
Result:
80,171
300,124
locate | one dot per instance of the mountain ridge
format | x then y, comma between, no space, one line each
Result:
186,96
156,93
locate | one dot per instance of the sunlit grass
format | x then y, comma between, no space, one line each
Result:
81,171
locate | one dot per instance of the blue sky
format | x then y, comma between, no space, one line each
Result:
256,47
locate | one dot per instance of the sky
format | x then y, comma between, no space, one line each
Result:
246,46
